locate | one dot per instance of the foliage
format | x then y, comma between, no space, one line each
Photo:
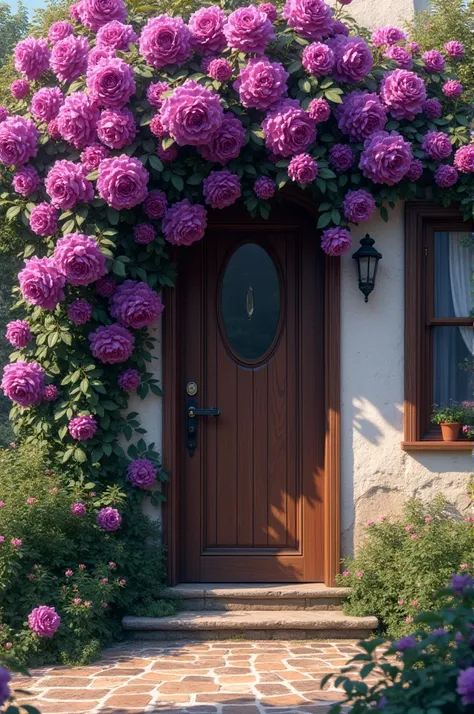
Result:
54,541
429,672
452,413
446,20
401,565
13,28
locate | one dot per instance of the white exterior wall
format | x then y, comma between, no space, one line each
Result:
371,13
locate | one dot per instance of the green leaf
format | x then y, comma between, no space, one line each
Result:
195,179
68,227
324,220
113,216
168,142
12,212
93,176
333,95
177,182
156,163
294,67
79,455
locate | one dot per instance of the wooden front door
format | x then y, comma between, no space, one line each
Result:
251,323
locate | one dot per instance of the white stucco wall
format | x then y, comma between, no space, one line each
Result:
377,476
371,14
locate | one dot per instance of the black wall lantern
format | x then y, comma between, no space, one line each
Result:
367,258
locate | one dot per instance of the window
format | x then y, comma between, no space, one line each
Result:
439,338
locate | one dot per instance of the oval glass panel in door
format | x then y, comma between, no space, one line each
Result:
250,302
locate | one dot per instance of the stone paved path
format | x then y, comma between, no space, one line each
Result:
196,678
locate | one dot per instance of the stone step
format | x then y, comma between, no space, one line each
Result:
294,596
252,625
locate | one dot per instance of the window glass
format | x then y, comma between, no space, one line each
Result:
452,364
454,266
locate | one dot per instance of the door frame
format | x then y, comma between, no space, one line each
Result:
172,414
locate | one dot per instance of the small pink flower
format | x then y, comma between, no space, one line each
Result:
68,573
16,542
428,519
2,504
359,574
369,524
112,565
464,566
8,645
105,580
122,581
382,519
77,601
87,603
346,573
82,566
401,602
30,501
414,603
2,539
408,619
53,491
31,576
104,605
415,537
410,528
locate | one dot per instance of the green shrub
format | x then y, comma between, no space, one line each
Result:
428,672
400,566
68,562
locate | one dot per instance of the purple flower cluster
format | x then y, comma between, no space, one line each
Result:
336,241
79,311
79,259
415,171
26,180
111,83
41,283
154,92
437,145
454,49
318,59
67,186
78,509
464,159
249,30
207,30
46,103
261,83
92,156
303,168
403,93
192,115
388,35
310,18
69,58
165,40
220,69
23,382
122,182
264,188
129,380
221,188
432,108
50,393
446,176
434,62
112,344
44,219
44,621
116,35
452,89
361,114
135,304
319,110
144,233
465,686
32,57
116,128
341,157
109,519
184,223
94,14
19,88
18,141
353,58
386,158
155,204
59,30
358,206
77,120
18,333
288,129
226,143
141,473
82,428
402,58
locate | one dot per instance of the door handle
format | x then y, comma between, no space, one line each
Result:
192,412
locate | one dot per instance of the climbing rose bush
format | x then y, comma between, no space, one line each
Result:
125,130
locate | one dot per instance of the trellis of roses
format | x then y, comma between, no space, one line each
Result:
125,129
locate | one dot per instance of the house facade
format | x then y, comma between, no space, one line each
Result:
293,411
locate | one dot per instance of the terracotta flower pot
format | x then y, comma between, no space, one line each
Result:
450,432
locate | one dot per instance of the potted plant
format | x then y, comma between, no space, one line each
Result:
450,417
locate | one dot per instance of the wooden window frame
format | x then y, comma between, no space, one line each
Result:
422,220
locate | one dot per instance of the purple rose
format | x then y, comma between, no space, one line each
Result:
32,57
226,143
116,128
165,40
400,56
26,180
336,241
167,155
3,113
97,55
353,58
117,36
434,62
446,176
79,311
59,30
360,115
249,30
454,49
112,344
403,93
41,283
18,333
53,130
270,10
19,88
141,473
144,233
339,28
432,108
386,157
192,114
452,89
78,509
319,110
5,678
50,393
184,223
413,48
67,186
388,35
122,182
221,188
318,59
92,156
82,428
358,206
44,621
44,219
129,380
77,120
465,686
79,259
94,14
436,145
302,168
341,157
261,83
23,382
109,519
288,129
460,584
220,69
415,171
46,103
154,92
105,287
264,188
111,83
406,643
310,18
207,30
18,141
135,304
69,58
155,204
464,159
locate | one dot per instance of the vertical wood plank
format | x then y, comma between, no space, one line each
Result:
260,457
208,396
245,473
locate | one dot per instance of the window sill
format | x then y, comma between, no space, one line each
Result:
463,445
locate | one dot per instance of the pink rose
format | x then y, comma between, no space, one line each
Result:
249,30
23,383
44,621
46,103
135,304
184,223
226,143
77,120
111,344
18,141
44,219
116,128
32,57
67,186
69,58
111,83
94,14
336,241
261,83
117,36
79,259
192,114
206,26
122,182
41,283
221,188
165,40
288,129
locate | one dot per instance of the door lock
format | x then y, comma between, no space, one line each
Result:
192,412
